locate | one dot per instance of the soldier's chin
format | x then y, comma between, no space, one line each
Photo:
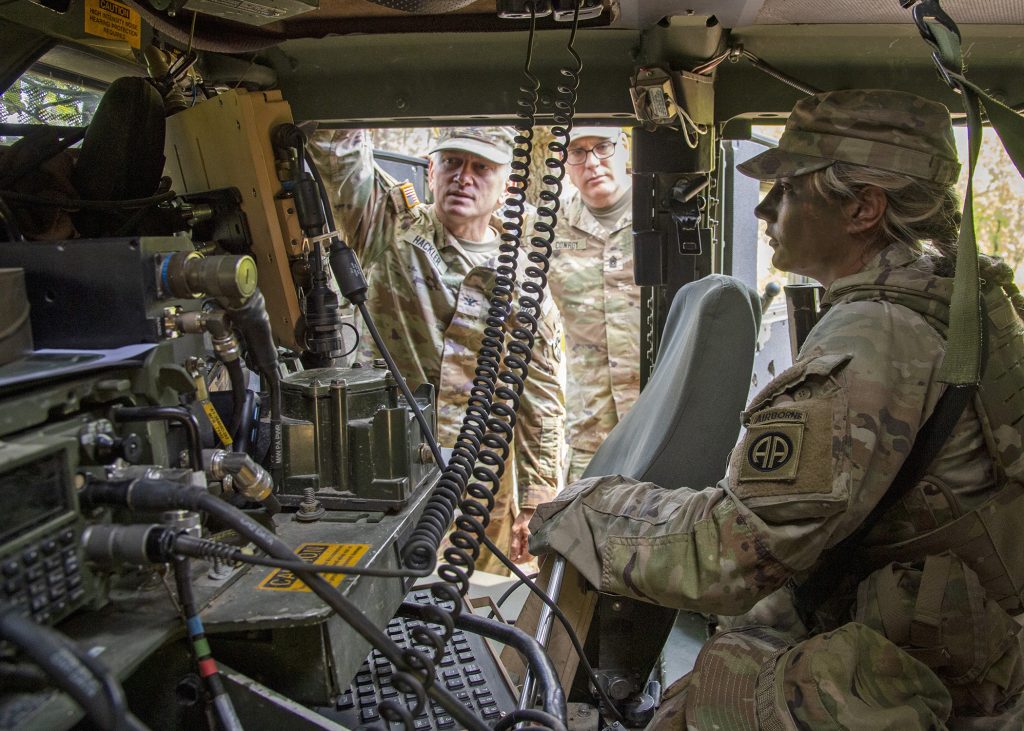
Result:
460,209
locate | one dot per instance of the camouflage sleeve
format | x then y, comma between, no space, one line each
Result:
823,442
541,421
358,190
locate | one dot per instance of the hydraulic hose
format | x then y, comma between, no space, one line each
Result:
238,392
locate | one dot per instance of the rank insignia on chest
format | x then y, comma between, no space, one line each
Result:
771,448
568,244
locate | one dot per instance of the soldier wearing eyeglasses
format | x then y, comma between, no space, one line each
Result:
591,279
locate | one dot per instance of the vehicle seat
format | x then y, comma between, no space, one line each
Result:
679,433
687,418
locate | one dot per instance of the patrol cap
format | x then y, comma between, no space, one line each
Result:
754,678
491,143
605,133
878,128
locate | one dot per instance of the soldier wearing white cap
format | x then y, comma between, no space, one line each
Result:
431,270
592,282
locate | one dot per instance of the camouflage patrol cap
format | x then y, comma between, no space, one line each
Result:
878,128
852,677
491,143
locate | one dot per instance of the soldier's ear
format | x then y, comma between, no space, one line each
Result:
430,171
865,212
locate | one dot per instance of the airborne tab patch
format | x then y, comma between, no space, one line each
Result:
771,448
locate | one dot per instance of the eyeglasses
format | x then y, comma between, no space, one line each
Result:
602,151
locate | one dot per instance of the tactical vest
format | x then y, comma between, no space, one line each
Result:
988,537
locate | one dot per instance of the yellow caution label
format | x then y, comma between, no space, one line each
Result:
218,426
320,554
114,20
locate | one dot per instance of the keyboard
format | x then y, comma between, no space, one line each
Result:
469,671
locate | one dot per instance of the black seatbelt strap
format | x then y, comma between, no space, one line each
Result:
842,559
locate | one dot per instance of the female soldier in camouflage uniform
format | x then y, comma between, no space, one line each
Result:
861,179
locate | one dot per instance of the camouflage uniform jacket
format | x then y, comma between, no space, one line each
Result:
591,279
429,304
823,442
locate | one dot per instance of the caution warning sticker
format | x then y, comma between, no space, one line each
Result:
321,554
114,20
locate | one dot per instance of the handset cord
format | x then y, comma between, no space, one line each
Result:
488,425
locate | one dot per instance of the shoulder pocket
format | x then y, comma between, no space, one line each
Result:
794,445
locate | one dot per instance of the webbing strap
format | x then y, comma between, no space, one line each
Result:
926,627
962,364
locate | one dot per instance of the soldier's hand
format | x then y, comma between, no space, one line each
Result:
520,551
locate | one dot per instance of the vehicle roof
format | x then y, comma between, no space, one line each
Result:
355,62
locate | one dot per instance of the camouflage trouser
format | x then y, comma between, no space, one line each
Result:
852,679
499,530
578,461
927,649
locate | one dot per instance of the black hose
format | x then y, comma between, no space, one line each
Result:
175,414
531,650
204,548
238,391
58,656
166,495
566,625
244,439
253,322
276,412
84,205
510,591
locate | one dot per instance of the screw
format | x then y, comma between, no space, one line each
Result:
219,570
310,508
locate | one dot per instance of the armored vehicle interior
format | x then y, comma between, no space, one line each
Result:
182,428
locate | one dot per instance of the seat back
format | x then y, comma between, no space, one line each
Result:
686,420
679,433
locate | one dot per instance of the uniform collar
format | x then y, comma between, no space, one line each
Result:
893,256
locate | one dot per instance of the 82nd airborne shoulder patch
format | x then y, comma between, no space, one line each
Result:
771,448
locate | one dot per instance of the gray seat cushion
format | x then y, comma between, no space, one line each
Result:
686,420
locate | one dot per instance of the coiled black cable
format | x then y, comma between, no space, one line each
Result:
484,440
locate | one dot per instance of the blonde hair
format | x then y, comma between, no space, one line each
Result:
917,210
